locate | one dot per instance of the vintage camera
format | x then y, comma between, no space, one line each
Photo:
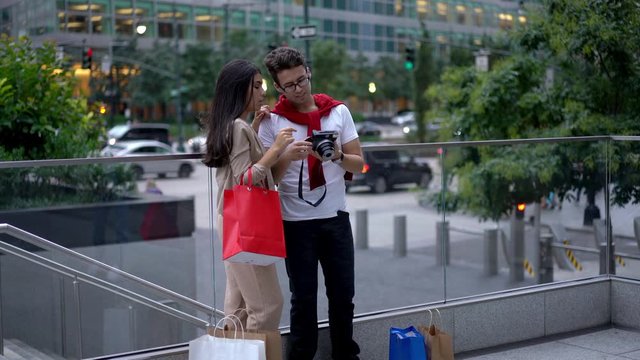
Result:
322,143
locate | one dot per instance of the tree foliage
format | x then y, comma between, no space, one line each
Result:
39,116
41,119
591,48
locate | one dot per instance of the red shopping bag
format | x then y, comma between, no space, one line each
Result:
252,231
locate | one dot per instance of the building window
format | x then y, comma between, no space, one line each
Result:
355,27
461,14
422,8
328,26
354,44
399,8
505,21
478,16
342,27
442,10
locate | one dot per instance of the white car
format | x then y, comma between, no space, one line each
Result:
403,118
183,168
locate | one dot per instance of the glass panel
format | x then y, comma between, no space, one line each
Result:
386,194
148,218
625,207
495,245
27,289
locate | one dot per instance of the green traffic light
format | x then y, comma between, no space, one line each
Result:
408,65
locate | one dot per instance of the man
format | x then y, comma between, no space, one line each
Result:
313,196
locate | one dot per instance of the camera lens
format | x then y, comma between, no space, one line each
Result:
325,149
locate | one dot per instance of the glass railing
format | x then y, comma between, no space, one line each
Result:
432,223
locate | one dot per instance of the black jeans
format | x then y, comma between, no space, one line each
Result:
330,242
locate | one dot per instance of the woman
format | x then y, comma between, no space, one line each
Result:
233,147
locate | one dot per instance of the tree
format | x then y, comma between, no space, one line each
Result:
39,116
593,47
41,119
329,68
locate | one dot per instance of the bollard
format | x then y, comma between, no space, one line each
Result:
442,240
490,252
603,259
516,272
545,269
362,230
399,236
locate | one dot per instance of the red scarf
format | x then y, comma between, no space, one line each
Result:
312,120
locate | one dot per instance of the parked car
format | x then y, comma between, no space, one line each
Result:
385,168
403,118
197,144
368,128
183,168
141,131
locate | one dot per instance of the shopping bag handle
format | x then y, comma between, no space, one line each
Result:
431,322
236,320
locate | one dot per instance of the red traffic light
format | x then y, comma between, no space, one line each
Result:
521,206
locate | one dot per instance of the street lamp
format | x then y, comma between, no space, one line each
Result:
141,29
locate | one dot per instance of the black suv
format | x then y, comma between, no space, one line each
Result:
385,168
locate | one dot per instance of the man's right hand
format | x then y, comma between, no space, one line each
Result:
298,150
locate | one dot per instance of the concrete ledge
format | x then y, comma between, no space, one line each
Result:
624,302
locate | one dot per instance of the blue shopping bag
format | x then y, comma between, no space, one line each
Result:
406,344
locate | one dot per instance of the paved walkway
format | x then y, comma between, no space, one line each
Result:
610,344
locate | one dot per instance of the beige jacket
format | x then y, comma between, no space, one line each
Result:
246,152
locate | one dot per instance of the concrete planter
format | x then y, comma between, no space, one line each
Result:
149,217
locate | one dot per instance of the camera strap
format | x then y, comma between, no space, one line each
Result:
300,189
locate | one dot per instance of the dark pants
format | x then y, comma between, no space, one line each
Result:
330,242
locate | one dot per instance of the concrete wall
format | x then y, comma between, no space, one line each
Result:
498,319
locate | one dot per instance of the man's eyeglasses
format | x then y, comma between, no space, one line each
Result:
300,83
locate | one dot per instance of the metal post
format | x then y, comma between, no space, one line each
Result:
132,328
516,273
307,52
545,268
1,325
76,297
362,230
178,85
442,243
490,252
607,259
400,236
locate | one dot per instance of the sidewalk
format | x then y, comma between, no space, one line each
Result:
610,344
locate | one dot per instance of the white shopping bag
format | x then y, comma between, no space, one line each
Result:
224,346
208,347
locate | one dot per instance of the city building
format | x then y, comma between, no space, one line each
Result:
373,27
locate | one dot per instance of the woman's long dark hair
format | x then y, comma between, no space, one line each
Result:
229,102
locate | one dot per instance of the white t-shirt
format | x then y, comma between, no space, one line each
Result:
294,208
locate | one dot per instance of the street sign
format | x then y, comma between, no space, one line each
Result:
303,31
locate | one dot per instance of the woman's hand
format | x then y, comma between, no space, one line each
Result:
283,139
263,113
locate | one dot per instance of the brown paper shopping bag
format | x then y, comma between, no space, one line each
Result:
439,343
271,338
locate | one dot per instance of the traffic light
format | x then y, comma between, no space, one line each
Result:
520,207
87,54
410,58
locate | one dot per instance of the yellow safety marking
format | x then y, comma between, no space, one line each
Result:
620,260
572,258
529,268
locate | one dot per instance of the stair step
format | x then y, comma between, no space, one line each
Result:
15,349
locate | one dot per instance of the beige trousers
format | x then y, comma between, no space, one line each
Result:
254,288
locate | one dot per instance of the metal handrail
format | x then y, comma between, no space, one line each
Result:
48,245
105,285
412,146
